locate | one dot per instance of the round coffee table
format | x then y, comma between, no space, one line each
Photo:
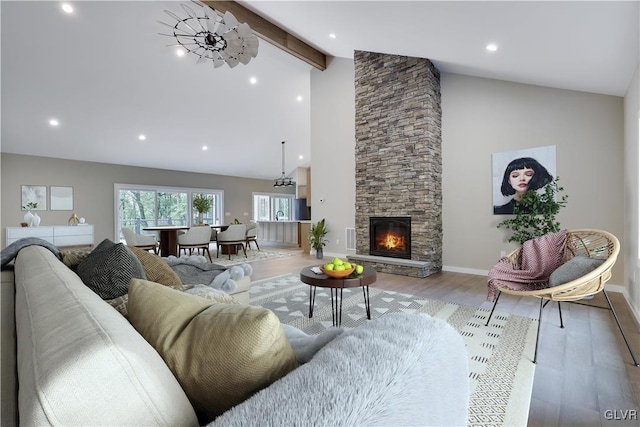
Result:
354,280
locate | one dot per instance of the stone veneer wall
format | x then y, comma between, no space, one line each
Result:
398,152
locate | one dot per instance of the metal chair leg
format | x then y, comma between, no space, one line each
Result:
560,311
615,316
535,354
494,307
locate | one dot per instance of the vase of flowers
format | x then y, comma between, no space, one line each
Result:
202,204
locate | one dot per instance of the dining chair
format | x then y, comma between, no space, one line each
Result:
231,238
251,235
197,237
148,243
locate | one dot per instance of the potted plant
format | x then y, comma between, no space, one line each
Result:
316,237
535,213
202,204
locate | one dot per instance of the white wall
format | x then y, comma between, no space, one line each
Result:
333,150
480,117
631,175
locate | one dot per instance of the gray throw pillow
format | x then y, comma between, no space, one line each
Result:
573,269
306,346
108,269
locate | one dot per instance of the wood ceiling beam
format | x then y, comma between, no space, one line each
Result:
272,33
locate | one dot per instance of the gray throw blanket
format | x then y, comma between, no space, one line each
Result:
191,271
11,251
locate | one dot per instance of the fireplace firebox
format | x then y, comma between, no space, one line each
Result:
390,236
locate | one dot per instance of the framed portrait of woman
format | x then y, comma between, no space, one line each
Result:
516,172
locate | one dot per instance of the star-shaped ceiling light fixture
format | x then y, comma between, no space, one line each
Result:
212,37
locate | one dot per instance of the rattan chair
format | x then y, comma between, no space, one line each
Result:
589,243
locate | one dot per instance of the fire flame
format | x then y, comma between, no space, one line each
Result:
392,242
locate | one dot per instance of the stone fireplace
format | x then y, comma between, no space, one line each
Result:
398,160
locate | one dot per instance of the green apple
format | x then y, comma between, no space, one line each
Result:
347,265
359,269
337,261
339,267
328,266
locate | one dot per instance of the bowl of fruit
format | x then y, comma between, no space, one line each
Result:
339,269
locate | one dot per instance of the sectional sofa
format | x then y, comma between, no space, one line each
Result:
80,362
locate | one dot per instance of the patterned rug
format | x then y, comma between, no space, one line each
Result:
252,255
500,355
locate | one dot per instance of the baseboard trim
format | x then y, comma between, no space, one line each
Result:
465,270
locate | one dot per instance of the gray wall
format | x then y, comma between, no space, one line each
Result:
479,117
93,185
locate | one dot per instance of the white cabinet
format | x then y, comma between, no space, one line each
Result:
59,235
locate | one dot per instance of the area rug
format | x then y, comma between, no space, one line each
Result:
252,255
500,355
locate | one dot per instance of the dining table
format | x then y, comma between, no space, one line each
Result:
168,238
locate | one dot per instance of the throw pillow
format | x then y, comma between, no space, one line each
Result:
573,269
108,269
305,346
155,268
72,257
221,354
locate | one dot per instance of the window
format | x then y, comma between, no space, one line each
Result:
140,206
272,207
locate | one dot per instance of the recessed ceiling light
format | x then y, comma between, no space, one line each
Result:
180,52
299,98
142,137
67,8
54,122
300,157
253,80
491,47
332,35
205,148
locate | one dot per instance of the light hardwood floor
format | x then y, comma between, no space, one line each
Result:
584,373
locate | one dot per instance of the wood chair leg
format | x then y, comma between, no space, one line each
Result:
208,253
244,250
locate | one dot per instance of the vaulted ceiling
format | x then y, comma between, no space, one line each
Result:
108,77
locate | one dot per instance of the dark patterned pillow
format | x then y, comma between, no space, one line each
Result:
108,269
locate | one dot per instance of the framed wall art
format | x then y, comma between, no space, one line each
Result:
60,198
34,197
515,172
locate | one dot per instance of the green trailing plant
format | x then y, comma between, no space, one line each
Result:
202,203
535,213
317,235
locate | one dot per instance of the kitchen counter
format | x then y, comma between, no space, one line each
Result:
278,231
